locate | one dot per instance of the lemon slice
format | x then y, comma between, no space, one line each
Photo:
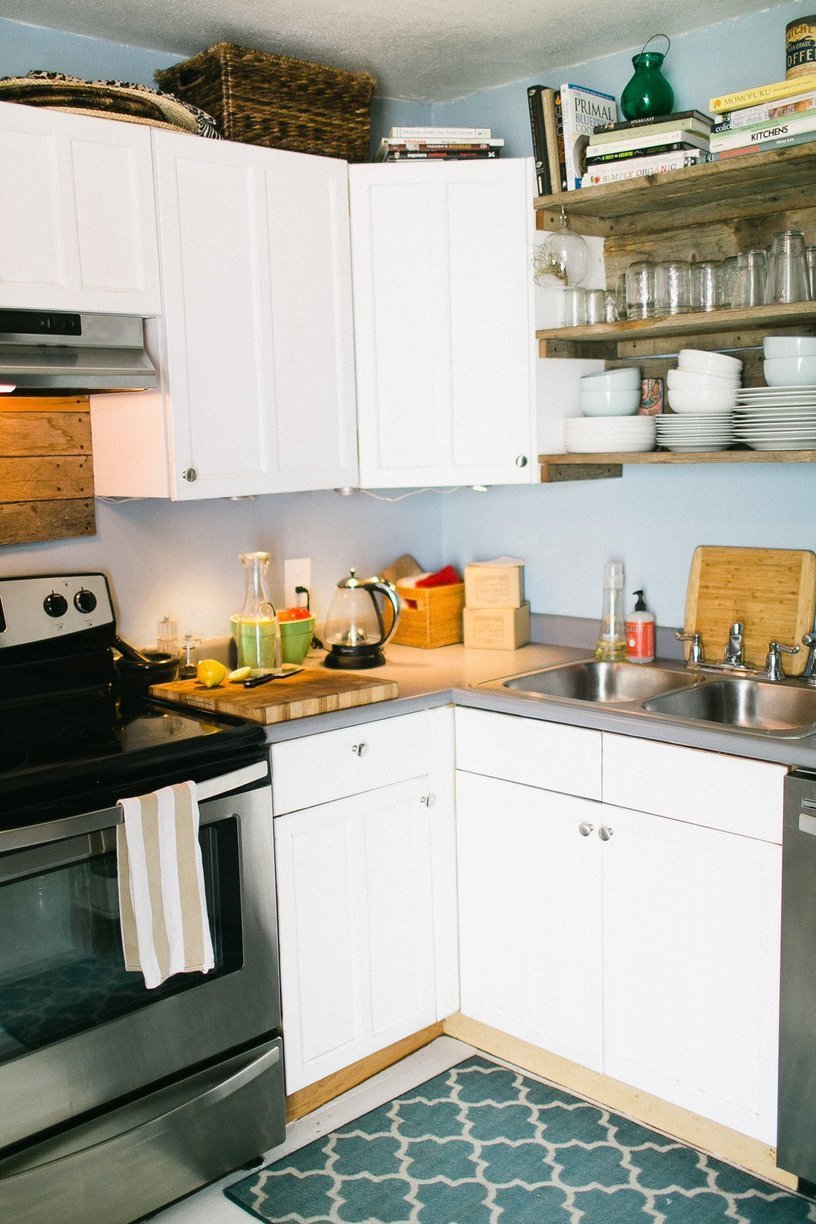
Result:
210,673
240,673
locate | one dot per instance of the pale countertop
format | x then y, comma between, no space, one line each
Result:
453,674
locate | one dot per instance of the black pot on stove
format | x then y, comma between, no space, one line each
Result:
136,669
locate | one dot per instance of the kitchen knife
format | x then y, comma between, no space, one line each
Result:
265,677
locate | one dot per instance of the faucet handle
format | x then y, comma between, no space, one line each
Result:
773,663
696,654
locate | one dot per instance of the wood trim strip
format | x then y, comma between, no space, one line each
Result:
45,403
307,1099
44,433
45,478
672,1120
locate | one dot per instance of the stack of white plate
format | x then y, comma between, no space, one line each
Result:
695,432
597,435
776,418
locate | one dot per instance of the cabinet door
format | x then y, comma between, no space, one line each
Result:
530,915
356,927
443,322
256,348
691,946
79,226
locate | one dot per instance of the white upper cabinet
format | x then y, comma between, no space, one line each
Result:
443,322
255,345
78,226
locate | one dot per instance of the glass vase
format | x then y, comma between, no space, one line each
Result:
648,93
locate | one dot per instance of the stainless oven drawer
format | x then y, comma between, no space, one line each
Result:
139,1157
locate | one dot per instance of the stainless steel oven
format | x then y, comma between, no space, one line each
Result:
115,1099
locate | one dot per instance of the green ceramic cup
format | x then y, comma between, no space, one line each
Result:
296,637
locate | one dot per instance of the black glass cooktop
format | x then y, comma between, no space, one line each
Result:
76,753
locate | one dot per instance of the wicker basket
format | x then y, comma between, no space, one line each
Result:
282,103
431,616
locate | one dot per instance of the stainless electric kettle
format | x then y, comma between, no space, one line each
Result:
356,626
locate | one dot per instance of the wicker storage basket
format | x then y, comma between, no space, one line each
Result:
263,99
431,616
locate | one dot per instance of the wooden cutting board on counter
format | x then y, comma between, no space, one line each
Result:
771,590
308,692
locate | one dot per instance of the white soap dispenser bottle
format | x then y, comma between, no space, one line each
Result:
640,633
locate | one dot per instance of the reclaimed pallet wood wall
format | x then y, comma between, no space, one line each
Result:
46,469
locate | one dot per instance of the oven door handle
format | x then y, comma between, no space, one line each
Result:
105,818
146,1118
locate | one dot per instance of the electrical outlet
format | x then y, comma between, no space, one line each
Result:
296,572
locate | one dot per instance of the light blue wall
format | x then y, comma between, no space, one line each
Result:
652,519
732,55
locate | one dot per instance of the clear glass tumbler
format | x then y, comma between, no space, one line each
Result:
749,285
706,285
788,272
575,311
595,305
640,290
810,255
673,287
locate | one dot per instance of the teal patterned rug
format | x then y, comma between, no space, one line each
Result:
481,1144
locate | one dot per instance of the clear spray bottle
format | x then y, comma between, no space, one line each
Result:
611,646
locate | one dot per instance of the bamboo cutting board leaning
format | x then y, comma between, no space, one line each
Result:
772,591
313,691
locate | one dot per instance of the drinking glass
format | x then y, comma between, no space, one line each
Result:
706,285
749,286
595,305
810,255
788,273
575,312
611,305
729,278
640,290
620,296
673,287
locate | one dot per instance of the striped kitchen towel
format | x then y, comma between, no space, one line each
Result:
162,906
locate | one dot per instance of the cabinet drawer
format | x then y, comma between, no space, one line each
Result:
699,787
319,768
529,751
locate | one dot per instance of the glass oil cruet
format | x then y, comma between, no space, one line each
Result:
255,628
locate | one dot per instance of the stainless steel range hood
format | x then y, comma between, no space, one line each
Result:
59,350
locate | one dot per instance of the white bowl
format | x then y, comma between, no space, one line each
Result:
628,376
790,371
616,402
700,392
704,362
789,346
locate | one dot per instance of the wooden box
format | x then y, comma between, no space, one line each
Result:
497,628
431,616
273,100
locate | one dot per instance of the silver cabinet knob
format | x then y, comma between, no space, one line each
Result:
429,800
605,832
585,828
360,749
189,474
521,461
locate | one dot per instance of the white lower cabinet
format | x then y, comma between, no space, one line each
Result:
366,894
644,944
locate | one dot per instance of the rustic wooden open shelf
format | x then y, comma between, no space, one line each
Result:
583,466
703,212
739,328
738,187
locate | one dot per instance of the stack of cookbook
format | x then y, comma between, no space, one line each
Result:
438,144
764,117
639,147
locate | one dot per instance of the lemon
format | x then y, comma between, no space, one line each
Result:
210,673
240,673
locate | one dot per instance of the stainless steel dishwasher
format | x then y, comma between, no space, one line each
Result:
796,1143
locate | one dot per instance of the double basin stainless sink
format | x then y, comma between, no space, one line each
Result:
785,708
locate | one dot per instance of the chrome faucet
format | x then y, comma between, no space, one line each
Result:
809,670
696,654
734,655
773,663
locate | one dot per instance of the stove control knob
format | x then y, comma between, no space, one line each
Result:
55,605
85,601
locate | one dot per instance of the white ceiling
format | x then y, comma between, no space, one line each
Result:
428,50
